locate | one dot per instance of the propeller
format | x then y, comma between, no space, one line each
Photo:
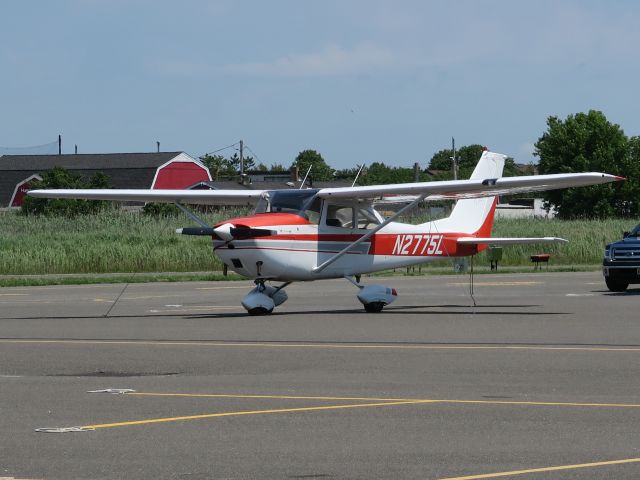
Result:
227,232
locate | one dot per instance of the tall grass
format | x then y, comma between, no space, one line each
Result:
119,241
111,241
587,239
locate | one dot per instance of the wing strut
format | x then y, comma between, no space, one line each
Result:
368,235
192,215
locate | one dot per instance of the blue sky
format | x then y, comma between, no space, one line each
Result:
359,81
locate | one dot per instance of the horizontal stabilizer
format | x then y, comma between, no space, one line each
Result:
508,241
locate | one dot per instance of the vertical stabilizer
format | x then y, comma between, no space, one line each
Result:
475,215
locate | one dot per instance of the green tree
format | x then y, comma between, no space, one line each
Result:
628,202
249,162
589,142
277,167
380,174
221,167
320,170
59,177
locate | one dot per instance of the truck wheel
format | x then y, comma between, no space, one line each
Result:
616,285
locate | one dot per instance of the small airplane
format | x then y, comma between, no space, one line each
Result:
313,234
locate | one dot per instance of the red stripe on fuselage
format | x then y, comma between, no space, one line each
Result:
266,219
391,244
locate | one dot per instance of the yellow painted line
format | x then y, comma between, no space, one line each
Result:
322,346
496,284
545,469
275,397
376,399
13,295
250,412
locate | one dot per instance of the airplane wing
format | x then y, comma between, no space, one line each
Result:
496,241
437,190
195,197
474,188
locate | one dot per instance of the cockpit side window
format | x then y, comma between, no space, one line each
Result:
340,216
367,219
352,215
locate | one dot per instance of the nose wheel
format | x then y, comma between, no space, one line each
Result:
264,298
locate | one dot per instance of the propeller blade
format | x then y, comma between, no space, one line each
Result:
227,232
196,231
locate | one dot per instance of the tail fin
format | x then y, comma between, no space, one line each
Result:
475,215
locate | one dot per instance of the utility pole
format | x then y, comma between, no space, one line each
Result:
454,160
59,144
241,160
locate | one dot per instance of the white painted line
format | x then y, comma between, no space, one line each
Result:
64,429
219,288
580,294
113,391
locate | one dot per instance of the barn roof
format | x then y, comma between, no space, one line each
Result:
91,161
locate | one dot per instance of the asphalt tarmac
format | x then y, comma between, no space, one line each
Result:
538,381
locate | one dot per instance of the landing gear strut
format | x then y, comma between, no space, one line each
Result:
374,297
264,298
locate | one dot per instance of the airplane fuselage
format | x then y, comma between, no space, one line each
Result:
296,246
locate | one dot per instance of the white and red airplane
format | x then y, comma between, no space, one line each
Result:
313,234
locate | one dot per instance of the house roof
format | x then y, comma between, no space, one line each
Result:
125,170
91,161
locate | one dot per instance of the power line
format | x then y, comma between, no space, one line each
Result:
252,152
221,149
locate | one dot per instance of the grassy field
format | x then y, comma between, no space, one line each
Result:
118,241
113,241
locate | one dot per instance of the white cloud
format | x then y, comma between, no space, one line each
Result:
331,61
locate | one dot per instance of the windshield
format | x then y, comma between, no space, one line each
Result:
635,232
287,201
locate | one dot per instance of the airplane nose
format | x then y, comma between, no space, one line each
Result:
224,231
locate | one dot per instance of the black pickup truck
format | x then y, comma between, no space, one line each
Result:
621,264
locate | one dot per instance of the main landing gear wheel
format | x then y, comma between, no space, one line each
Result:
264,298
258,311
374,307
616,285
374,297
